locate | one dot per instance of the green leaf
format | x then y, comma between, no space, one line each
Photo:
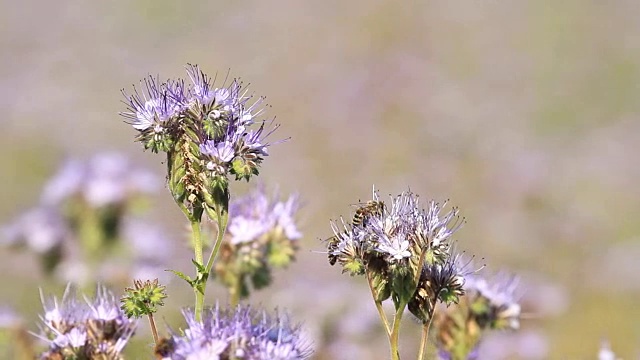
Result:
182,276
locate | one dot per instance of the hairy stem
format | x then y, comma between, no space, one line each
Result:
197,245
154,331
395,332
222,217
381,312
425,332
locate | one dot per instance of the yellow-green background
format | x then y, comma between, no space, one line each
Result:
523,113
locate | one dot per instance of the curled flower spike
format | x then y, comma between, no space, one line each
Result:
95,328
440,283
242,333
205,132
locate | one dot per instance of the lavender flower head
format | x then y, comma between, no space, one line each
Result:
85,329
42,230
398,235
203,122
242,333
501,308
254,215
153,108
404,251
262,234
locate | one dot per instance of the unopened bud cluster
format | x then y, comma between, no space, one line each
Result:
203,130
89,329
404,251
262,235
143,298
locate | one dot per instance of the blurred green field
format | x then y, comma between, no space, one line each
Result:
523,114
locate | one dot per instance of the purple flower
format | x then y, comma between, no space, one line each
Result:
201,89
284,213
9,318
86,329
436,227
395,247
499,292
156,105
105,179
243,332
222,151
254,215
41,230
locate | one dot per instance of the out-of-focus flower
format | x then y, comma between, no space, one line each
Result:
88,329
254,215
262,234
243,333
527,345
84,214
148,241
495,301
41,230
9,318
488,305
106,179
605,352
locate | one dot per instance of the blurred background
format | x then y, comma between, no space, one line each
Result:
524,114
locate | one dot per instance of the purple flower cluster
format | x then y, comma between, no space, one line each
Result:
215,120
86,329
396,234
262,235
404,251
241,334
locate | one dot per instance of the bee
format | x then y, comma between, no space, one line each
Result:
365,211
332,246
164,348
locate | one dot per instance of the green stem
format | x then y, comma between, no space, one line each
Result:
425,332
222,217
197,240
423,340
381,312
197,245
154,331
395,332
